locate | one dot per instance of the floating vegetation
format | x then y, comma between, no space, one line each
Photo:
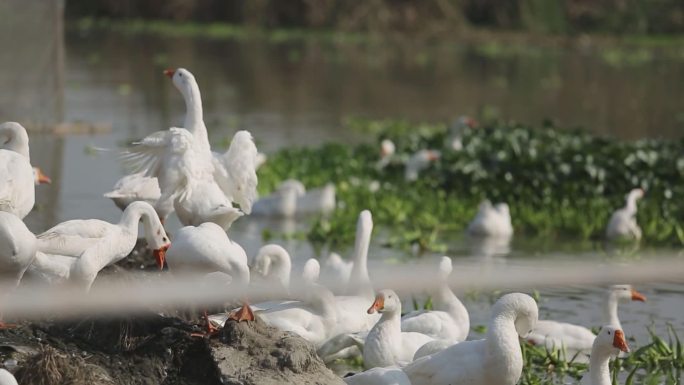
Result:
558,183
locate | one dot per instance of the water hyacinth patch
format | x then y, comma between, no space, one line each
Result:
558,183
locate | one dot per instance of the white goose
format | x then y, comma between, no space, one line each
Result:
379,376
291,199
386,344
337,271
234,171
273,265
449,320
17,180
491,221
6,378
387,150
454,140
206,248
186,177
575,338
623,224
420,161
18,248
312,319
609,342
497,359
77,250
138,187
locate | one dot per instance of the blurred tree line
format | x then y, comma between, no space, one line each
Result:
410,16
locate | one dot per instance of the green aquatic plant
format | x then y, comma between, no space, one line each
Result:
657,362
558,183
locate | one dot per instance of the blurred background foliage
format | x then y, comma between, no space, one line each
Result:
424,17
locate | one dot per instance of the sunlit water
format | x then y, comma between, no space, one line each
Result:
298,93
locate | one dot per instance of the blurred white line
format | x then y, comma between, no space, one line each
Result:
163,291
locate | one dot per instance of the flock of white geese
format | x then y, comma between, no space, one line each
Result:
176,170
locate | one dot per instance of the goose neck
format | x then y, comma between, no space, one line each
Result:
502,342
599,372
15,138
611,310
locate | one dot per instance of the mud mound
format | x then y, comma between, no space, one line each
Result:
252,353
50,367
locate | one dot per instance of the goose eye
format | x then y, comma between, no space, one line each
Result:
164,239
609,332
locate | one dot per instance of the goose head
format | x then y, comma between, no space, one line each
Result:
273,262
609,339
462,122
519,307
39,177
181,78
445,268
387,148
386,301
625,293
311,272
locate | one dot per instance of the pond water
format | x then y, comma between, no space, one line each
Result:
298,93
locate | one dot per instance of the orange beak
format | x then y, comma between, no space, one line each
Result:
620,342
169,72
378,305
636,296
42,178
160,255
432,156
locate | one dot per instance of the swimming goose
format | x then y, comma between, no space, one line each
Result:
386,343
575,338
291,199
609,341
623,224
491,221
17,180
83,247
454,140
496,359
419,162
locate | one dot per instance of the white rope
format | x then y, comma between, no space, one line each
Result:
163,291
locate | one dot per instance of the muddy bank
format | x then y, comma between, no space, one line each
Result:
152,349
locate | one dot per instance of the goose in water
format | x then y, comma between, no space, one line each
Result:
491,221
17,178
496,359
609,342
454,140
575,338
77,250
418,162
291,199
623,224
